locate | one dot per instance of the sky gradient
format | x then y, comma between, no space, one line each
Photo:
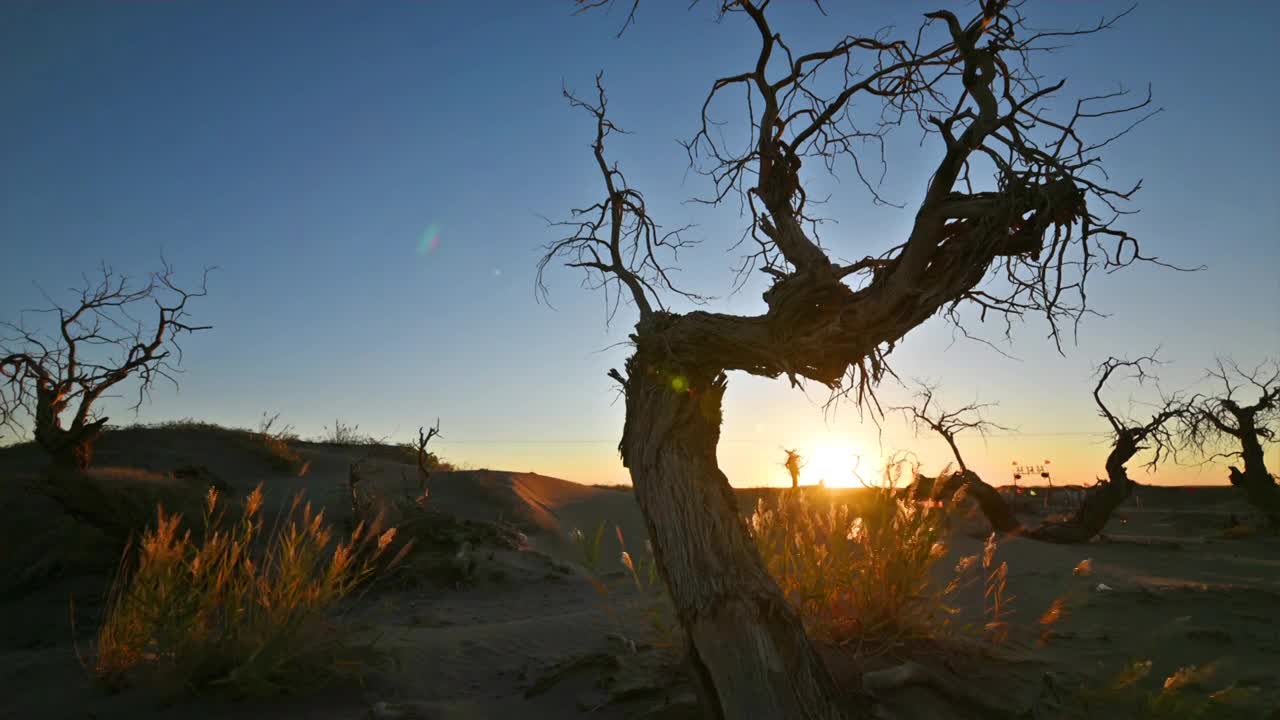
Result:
371,180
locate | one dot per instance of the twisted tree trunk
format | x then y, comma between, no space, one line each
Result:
69,448
1258,484
746,644
1100,501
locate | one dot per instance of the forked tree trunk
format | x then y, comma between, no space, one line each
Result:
1100,501
69,448
747,646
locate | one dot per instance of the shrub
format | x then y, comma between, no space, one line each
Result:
343,434
237,608
858,579
277,445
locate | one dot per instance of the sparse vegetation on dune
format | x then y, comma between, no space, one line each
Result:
1187,694
649,606
276,442
883,580
241,606
446,550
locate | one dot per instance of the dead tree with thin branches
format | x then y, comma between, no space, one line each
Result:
424,457
1042,220
926,414
97,343
1130,437
1221,426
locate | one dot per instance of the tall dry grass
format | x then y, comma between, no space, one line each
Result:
276,444
243,607
864,577
870,576
1186,694
649,605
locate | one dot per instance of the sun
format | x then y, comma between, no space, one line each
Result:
833,463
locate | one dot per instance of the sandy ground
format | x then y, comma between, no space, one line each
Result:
1174,592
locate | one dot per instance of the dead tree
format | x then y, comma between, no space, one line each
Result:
97,344
1036,227
423,457
793,465
927,414
1219,425
1100,500
1130,437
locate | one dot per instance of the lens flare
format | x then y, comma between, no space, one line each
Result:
430,240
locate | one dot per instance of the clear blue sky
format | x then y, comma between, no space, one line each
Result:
305,148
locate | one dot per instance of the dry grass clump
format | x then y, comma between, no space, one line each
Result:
649,604
1184,695
869,576
863,579
341,433
239,607
277,445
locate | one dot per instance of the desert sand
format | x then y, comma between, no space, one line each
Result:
1165,585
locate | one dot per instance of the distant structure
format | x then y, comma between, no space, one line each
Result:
1020,470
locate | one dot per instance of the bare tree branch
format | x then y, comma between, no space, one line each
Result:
1025,245
1223,425
615,241
98,344
925,413
1100,501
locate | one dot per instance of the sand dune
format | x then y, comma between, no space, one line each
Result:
1178,593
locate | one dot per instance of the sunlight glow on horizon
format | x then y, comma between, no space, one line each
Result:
837,463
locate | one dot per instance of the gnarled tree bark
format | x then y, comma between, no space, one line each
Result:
741,633
827,322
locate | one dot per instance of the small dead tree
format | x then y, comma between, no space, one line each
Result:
1218,424
1039,224
1130,437
423,457
793,464
927,414
97,344
1100,500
